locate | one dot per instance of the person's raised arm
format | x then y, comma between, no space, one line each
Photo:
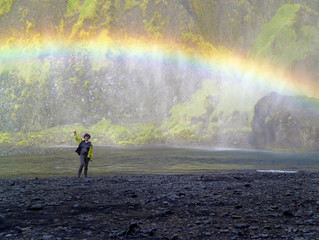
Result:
77,138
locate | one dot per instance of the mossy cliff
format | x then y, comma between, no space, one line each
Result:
290,39
121,101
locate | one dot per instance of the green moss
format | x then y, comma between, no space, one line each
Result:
34,71
164,2
156,26
86,84
89,10
186,119
5,137
143,6
144,133
73,5
75,29
101,126
284,39
118,134
117,5
197,106
234,99
181,133
23,143
105,13
6,6
205,19
135,134
130,4
29,28
282,21
60,30
74,80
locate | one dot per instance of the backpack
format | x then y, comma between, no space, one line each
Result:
78,150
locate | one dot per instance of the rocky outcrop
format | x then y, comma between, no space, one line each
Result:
286,123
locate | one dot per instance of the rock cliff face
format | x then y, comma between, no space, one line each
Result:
287,123
233,23
62,65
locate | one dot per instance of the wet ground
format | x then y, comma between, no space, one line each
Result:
54,162
216,205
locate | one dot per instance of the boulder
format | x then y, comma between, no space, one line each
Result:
286,123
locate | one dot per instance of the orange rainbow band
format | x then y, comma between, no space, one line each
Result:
223,64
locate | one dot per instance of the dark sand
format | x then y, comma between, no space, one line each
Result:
220,205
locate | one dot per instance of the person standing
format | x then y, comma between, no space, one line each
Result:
85,150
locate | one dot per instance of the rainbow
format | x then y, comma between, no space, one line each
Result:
215,61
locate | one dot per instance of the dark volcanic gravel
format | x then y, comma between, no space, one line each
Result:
232,205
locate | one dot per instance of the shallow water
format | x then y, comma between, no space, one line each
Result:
113,161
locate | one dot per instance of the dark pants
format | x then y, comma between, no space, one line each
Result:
84,162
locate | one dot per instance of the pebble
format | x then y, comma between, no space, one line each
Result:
76,205
212,206
287,213
36,207
46,237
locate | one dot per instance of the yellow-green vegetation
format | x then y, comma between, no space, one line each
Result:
86,84
104,14
234,99
60,30
206,20
102,126
129,4
87,35
72,5
30,73
5,138
103,133
162,2
186,119
133,134
89,10
44,138
117,5
23,12
76,27
6,6
275,31
143,6
199,44
196,43
283,39
155,27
